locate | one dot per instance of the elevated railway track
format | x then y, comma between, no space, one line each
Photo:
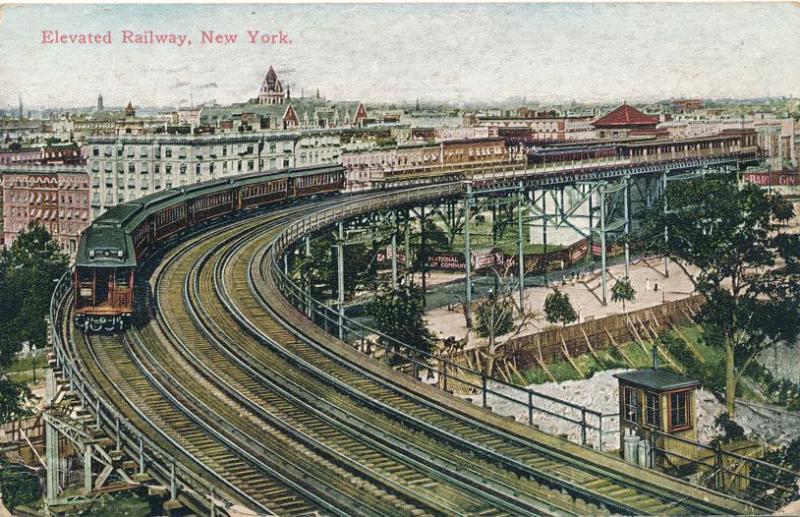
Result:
231,383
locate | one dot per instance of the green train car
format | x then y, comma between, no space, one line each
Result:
110,249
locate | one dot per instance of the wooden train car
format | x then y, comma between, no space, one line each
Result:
643,151
111,248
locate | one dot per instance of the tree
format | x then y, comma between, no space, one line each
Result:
725,232
558,309
27,273
782,208
496,314
398,315
623,291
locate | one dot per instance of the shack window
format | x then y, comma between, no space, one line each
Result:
652,413
679,409
631,405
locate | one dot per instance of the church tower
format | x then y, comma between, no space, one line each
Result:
271,91
100,102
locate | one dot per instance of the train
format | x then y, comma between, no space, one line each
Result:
110,249
647,150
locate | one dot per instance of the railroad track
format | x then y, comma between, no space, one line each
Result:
582,473
233,380
181,428
197,322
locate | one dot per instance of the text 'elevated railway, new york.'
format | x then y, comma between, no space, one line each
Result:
176,333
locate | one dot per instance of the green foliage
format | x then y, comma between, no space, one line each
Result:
398,313
20,485
360,268
782,208
494,316
122,504
27,273
558,308
787,457
731,431
623,291
726,232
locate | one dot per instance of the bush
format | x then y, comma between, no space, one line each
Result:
20,486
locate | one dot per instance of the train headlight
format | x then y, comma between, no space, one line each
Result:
119,253
91,253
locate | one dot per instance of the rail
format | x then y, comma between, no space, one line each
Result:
148,454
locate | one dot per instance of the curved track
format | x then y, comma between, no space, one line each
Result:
236,382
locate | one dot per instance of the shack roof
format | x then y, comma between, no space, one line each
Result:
656,379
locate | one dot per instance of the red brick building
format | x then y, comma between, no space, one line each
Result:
55,196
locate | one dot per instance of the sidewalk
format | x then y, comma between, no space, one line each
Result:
647,276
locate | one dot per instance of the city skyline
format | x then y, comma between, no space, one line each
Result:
397,52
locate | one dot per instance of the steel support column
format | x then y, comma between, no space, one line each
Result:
394,260
521,254
544,235
340,277
603,242
468,256
666,232
51,442
627,224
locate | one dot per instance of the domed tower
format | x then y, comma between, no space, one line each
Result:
271,91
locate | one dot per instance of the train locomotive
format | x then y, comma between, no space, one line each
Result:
110,249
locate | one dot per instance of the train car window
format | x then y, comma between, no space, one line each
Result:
121,278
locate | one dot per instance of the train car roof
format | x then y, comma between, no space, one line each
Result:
105,246
117,215
111,232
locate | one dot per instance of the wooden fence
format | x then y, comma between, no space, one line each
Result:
557,343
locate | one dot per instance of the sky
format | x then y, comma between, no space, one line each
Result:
403,52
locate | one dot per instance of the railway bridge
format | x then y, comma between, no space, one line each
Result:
224,396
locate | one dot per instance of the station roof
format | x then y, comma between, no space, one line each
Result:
625,116
656,379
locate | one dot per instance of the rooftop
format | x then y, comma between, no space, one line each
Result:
660,380
625,115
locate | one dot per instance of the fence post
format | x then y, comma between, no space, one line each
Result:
600,431
530,407
719,478
483,387
583,425
141,455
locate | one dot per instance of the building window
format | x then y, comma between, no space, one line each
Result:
168,168
652,415
168,152
95,152
183,168
631,404
678,410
